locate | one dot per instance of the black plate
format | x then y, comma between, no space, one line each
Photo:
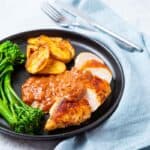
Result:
81,43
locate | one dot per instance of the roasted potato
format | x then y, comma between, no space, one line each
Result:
34,41
40,40
38,60
65,44
56,39
60,49
60,54
54,67
45,39
31,49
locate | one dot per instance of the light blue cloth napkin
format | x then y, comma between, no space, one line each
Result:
129,126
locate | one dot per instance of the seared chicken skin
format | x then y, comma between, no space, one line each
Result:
66,113
72,96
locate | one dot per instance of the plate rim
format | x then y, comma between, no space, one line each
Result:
87,127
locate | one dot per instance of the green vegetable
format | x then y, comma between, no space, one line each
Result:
21,117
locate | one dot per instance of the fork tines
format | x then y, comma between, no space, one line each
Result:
52,12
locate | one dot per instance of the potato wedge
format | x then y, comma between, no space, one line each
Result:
52,39
38,60
63,55
54,67
40,40
31,49
56,39
60,49
65,44
34,41
44,40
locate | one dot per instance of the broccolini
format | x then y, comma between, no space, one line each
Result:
21,117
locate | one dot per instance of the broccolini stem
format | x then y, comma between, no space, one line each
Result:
4,109
5,112
1,56
2,92
7,85
3,64
8,94
8,69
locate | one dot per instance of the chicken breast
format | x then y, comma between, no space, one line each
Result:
69,111
70,97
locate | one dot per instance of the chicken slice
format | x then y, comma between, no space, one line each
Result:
66,113
93,99
96,92
83,57
90,62
102,73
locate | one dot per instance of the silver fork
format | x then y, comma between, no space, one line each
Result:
65,19
69,20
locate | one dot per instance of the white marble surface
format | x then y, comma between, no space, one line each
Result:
21,15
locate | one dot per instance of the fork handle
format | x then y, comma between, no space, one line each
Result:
77,25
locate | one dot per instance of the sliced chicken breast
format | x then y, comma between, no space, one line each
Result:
89,62
83,57
93,99
102,73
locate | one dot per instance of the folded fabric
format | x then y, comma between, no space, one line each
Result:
128,127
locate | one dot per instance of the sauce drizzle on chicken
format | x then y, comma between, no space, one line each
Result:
42,92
